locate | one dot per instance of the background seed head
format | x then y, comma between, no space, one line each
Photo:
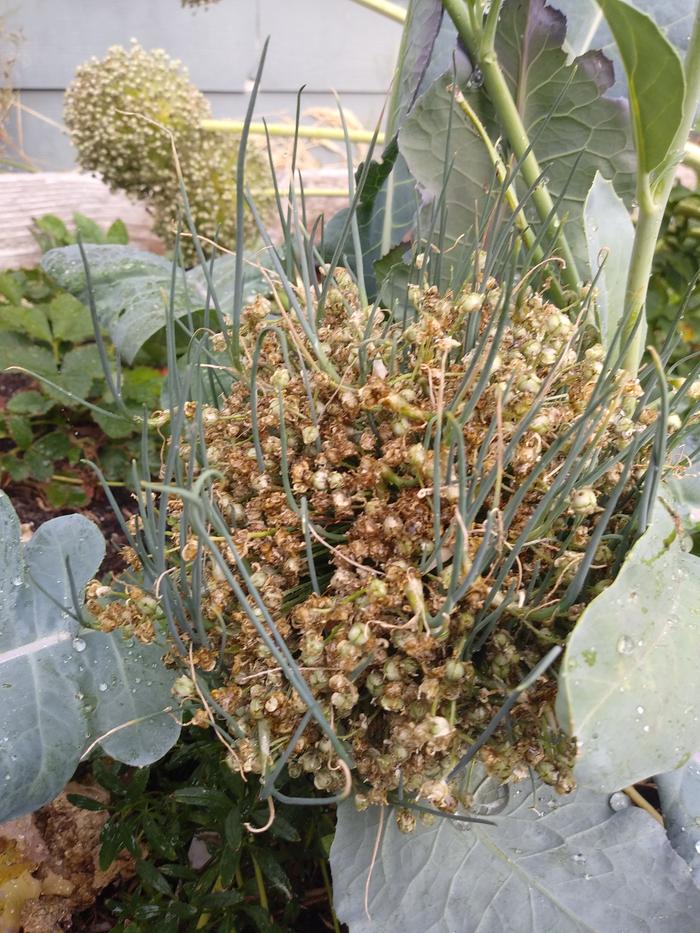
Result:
126,113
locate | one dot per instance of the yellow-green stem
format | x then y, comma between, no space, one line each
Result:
481,48
510,193
308,193
262,893
385,8
329,894
289,130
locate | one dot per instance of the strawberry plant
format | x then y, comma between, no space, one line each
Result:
62,413
50,231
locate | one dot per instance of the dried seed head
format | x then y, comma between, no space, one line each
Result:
584,501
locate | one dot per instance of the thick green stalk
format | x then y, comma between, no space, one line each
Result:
653,195
481,47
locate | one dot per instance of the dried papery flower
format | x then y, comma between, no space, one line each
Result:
446,505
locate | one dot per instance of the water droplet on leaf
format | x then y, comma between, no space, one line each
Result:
619,801
79,644
625,645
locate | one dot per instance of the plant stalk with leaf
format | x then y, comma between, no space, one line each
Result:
663,104
477,29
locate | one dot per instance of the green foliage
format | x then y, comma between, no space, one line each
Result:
551,95
623,684
196,798
609,240
388,207
656,94
679,795
676,261
127,113
45,427
65,686
586,28
50,232
544,863
402,514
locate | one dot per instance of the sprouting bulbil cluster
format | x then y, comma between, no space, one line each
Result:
125,113
416,464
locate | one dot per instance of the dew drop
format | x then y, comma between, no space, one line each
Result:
476,79
625,645
102,688
79,644
17,581
640,710
578,857
619,801
697,846
646,729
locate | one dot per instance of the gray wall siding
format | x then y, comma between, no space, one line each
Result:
327,45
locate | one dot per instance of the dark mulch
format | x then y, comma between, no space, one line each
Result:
32,509
13,382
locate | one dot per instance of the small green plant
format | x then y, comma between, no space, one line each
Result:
186,822
128,112
64,412
50,231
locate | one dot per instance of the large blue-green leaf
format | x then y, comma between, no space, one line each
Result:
388,206
132,288
64,687
656,93
428,42
627,687
549,865
575,131
610,238
587,29
679,794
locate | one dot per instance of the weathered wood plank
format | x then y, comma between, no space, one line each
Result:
24,196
